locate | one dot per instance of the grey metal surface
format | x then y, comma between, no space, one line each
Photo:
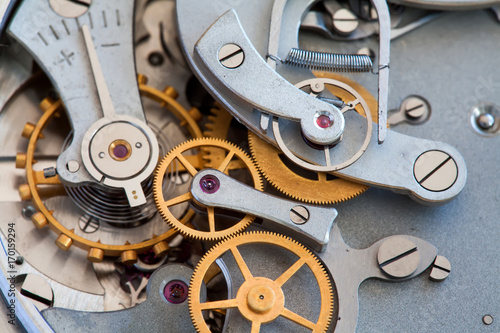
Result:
466,231
448,4
351,267
315,21
242,198
156,314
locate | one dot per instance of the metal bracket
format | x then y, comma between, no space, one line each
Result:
309,224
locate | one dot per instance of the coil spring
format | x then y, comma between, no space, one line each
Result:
330,62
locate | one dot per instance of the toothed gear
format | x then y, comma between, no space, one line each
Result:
218,126
318,188
192,163
260,299
39,187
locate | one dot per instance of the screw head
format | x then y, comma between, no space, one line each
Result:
299,214
488,319
415,108
398,257
441,269
345,22
435,171
19,260
231,56
73,166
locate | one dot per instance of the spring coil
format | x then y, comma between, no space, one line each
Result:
330,62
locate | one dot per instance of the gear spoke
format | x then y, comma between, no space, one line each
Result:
245,271
256,327
298,319
225,304
322,176
290,272
196,155
211,218
350,106
259,299
223,166
327,156
189,167
180,199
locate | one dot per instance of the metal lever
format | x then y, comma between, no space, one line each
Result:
309,224
237,58
351,267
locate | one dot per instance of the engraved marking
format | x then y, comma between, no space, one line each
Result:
110,45
67,57
104,19
54,32
65,27
43,39
118,17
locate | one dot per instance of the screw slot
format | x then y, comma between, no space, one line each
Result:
299,215
231,56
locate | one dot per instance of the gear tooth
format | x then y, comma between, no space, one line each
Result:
278,175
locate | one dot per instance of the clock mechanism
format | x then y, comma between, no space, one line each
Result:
249,166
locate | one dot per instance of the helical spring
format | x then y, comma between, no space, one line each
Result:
330,62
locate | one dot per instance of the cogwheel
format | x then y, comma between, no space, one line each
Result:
260,299
217,127
40,186
183,154
218,122
303,185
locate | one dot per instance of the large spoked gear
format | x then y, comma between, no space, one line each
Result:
305,185
45,184
264,298
188,154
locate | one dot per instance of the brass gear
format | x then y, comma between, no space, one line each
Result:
260,299
319,188
230,151
39,187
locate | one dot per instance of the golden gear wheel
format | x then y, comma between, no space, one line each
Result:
39,187
217,127
259,299
232,155
318,188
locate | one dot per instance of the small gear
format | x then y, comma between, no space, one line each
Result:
41,186
308,186
232,155
260,299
